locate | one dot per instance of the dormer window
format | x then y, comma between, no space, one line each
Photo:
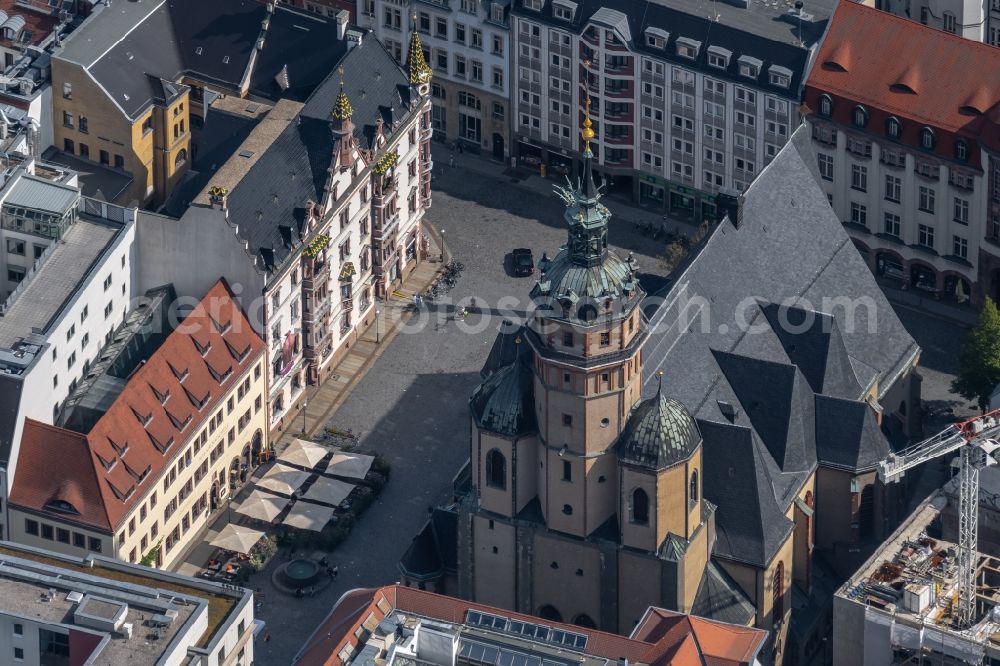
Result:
860,116
563,10
533,5
825,106
719,57
688,48
927,138
750,67
893,128
779,76
961,150
656,38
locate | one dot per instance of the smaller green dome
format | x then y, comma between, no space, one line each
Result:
660,432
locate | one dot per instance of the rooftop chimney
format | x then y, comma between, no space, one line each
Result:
353,38
343,16
729,205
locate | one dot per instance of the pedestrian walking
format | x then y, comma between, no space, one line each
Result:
329,572
451,160
460,149
336,571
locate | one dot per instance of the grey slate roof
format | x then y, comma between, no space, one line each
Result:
152,44
719,597
759,31
740,479
847,435
790,245
268,203
507,346
659,433
434,550
504,403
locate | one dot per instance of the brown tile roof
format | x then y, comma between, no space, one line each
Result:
931,75
35,486
166,401
666,637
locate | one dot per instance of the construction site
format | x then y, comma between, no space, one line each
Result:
901,607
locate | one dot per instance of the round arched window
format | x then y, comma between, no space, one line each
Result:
860,116
927,138
825,106
893,128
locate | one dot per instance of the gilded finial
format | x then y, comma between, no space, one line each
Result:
588,128
659,382
418,69
342,109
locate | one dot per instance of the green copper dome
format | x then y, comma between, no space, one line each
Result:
659,433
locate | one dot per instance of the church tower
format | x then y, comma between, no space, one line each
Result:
585,337
585,502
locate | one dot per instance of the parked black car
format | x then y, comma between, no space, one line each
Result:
522,261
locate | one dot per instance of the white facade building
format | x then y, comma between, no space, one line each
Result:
972,19
467,44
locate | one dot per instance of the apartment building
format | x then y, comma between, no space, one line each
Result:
128,99
59,609
913,173
978,20
162,431
315,217
398,625
686,101
467,45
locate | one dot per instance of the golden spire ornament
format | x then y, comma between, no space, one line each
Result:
342,109
588,128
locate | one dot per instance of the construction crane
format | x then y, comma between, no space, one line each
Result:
974,440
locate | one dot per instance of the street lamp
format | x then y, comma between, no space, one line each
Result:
305,406
376,326
442,246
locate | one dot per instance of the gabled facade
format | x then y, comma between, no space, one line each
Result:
184,428
317,216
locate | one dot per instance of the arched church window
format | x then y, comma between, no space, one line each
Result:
496,470
693,490
640,506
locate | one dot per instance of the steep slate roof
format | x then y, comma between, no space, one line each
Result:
435,548
789,247
943,71
847,435
720,598
507,346
504,404
165,401
755,31
214,42
267,203
741,479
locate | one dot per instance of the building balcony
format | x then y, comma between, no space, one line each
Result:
315,274
386,229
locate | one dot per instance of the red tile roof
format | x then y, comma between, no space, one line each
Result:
35,486
666,637
928,79
165,402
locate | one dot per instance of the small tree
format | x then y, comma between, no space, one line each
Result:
979,363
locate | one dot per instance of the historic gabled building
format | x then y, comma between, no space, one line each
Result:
691,455
316,216
163,428
909,151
